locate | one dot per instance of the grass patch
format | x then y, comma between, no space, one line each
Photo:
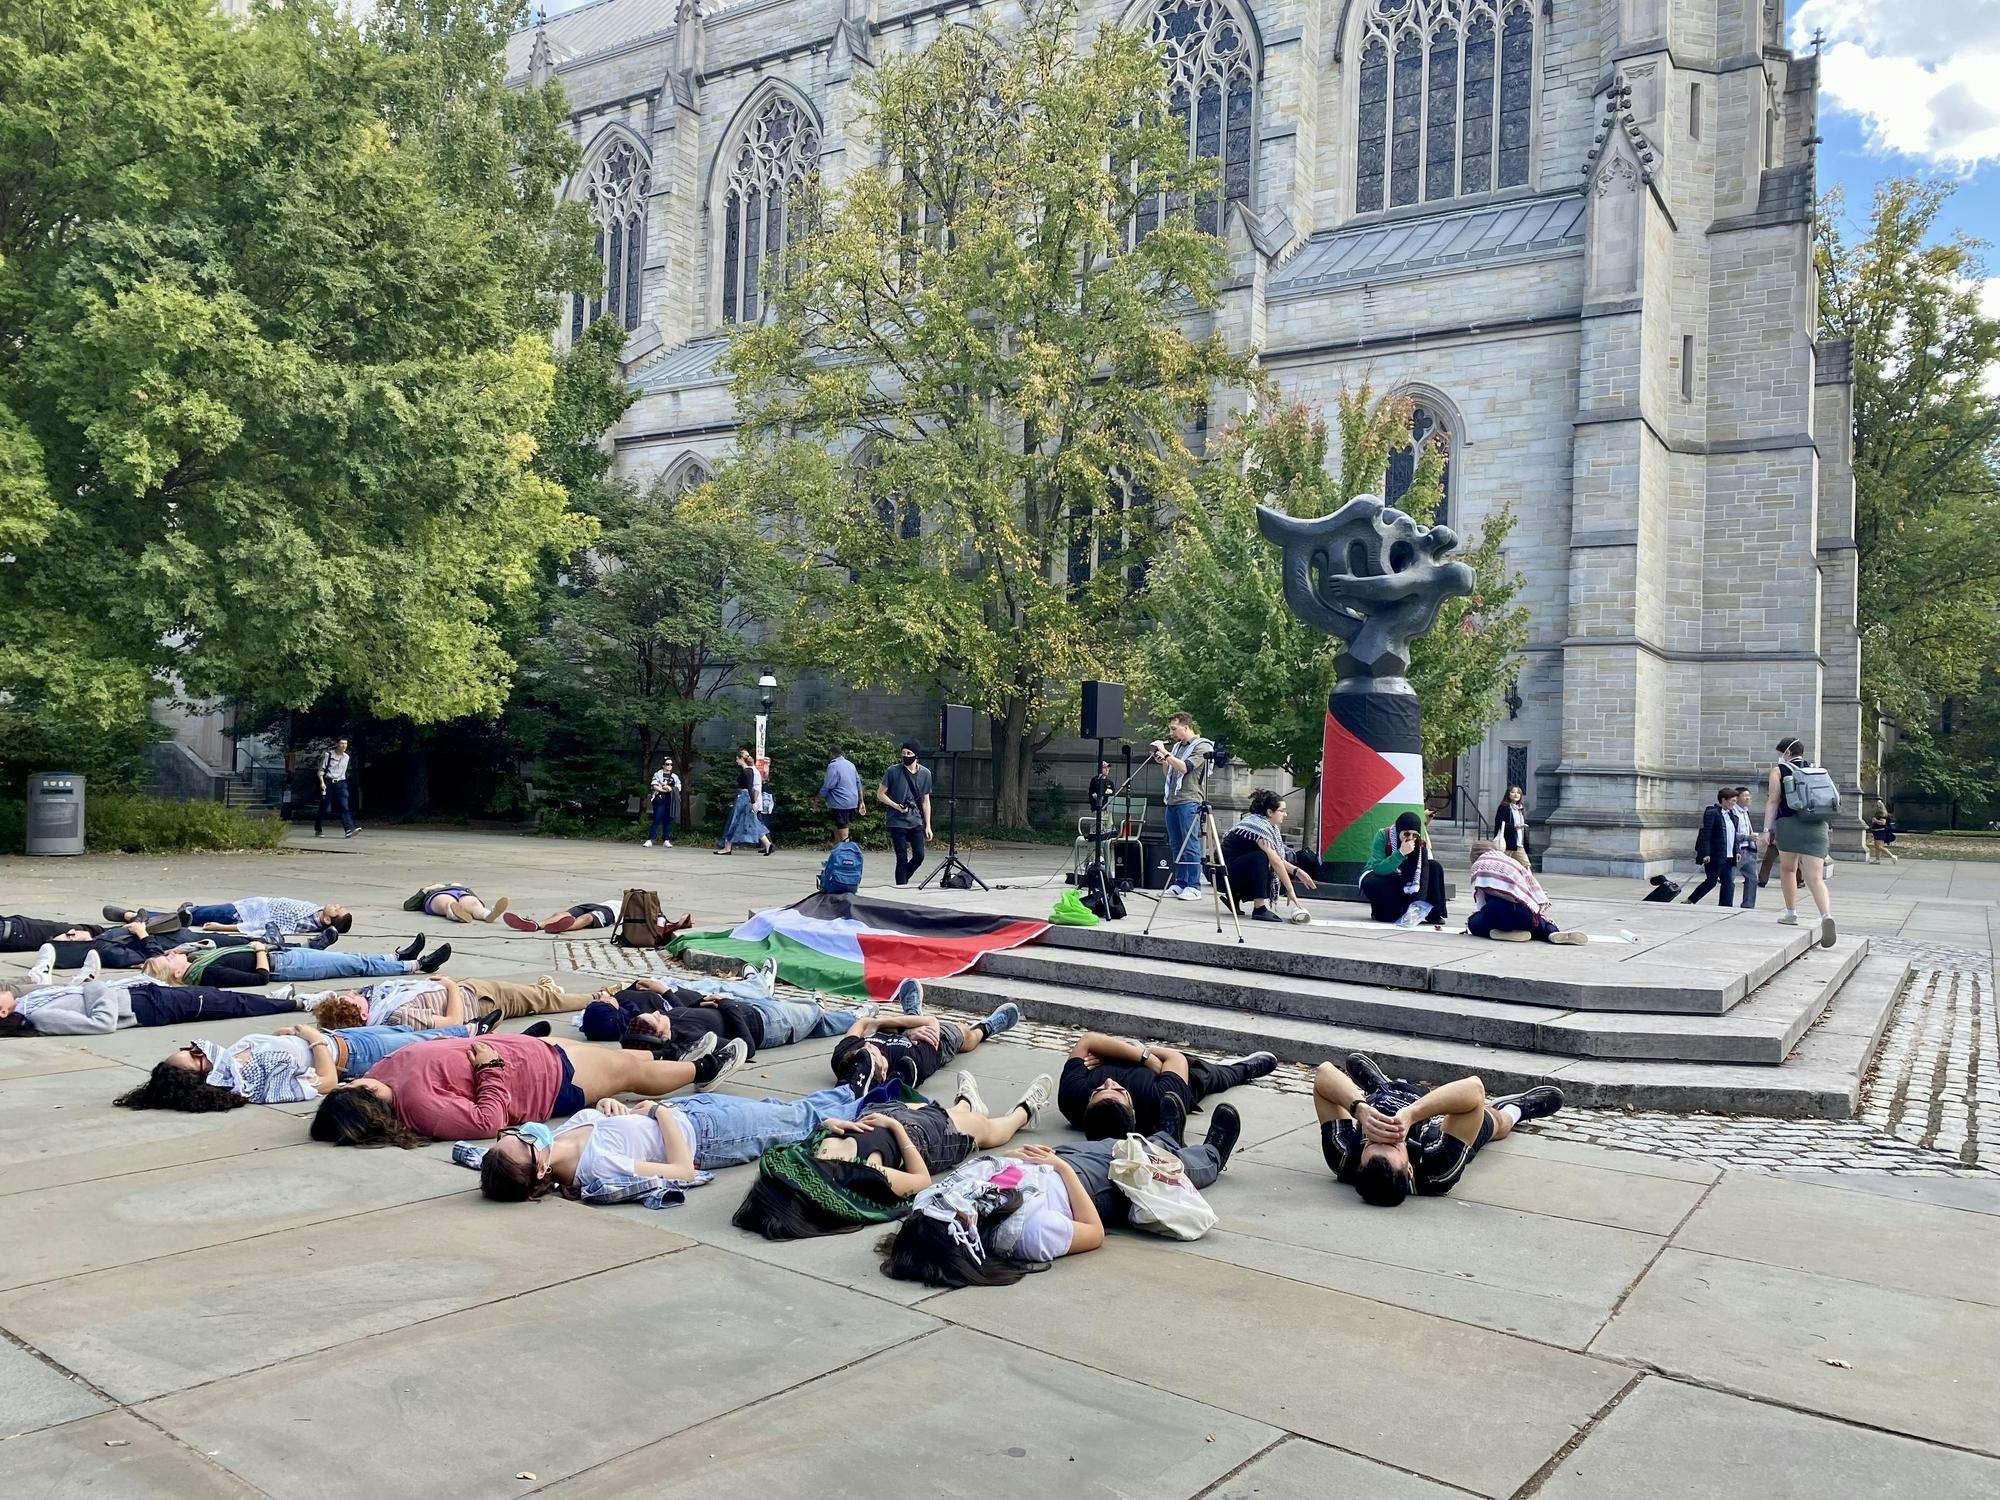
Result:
128,823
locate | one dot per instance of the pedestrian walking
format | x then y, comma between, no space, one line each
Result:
1746,846
1715,849
1510,827
333,793
666,794
905,790
840,790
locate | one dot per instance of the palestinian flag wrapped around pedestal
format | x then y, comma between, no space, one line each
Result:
860,947
1372,770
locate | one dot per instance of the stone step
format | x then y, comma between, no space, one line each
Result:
1762,1030
1675,973
1821,1079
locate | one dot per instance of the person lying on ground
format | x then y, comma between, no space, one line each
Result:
1386,1140
619,1153
1112,1087
909,1048
997,1218
1403,881
1508,903
451,1091
678,1012
111,1005
851,1174
130,946
588,915
427,1002
289,1066
257,916
257,962
610,1013
455,903
25,934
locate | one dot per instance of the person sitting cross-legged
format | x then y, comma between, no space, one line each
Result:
1386,1140
1112,1087
1508,903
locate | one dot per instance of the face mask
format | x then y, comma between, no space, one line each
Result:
909,759
536,1134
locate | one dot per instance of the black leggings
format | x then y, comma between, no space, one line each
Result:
26,934
172,1004
1248,869
1387,900
1205,1077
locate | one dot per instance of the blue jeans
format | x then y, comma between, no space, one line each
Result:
312,963
335,797
1747,873
1497,913
223,912
368,1045
729,1130
663,817
788,1021
1181,837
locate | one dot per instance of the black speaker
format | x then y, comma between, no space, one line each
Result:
1103,710
955,730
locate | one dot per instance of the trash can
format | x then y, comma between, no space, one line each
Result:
55,813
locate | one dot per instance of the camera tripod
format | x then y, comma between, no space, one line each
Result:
1209,842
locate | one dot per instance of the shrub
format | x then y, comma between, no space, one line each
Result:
129,823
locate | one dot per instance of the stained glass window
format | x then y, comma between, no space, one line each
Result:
1424,425
761,205
1211,91
1445,100
617,198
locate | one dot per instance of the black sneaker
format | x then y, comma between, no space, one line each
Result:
1265,914
702,1046
1224,1126
1259,1064
1366,1073
436,959
861,1077
720,1063
487,1022
411,949
325,938
1537,1103
536,1028
904,1071
1173,1117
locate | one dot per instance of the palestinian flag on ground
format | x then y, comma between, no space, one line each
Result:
860,947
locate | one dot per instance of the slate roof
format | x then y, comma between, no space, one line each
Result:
690,364
1373,252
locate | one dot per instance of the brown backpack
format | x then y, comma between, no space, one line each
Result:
640,920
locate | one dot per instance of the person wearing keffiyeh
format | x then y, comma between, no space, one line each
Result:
1508,903
1255,860
1403,881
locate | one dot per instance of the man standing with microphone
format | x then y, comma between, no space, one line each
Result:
1183,756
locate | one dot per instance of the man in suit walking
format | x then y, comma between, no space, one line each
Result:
1715,848
1746,846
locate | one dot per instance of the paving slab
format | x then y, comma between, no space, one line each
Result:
116,1221
112,1457
1545,1278
1667,1441
1922,1365
1299,1467
993,1421
303,1290
35,1394
29,1057
1971,1194
552,1382
60,1128
1835,1233
1341,1369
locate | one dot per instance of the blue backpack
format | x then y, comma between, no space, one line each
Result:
841,874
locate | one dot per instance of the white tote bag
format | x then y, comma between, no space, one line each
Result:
1162,1198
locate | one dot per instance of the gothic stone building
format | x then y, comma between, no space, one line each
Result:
1576,232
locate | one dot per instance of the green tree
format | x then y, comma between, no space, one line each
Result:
1926,467
1228,649
274,294
650,635
973,388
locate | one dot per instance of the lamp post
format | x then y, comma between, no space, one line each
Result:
767,687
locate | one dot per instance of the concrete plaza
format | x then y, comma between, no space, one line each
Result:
210,1305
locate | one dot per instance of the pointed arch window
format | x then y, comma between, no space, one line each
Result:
1445,100
1212,76
617,197
1426,427
764,197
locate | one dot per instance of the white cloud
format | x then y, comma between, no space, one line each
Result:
1919,73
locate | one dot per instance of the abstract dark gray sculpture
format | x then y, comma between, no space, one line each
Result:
1370,575
1373,578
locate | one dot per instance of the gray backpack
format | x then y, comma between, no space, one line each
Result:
1810,792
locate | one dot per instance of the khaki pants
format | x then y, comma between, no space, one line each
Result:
517,999
1520,857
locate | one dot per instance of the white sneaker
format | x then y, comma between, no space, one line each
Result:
647,845
1040,1092
45,965
1789,919
666,843
291,992
1172,892
968,1090
1189,893
768,972
867,1010
92,967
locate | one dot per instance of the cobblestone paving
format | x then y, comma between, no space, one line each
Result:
1930,1108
